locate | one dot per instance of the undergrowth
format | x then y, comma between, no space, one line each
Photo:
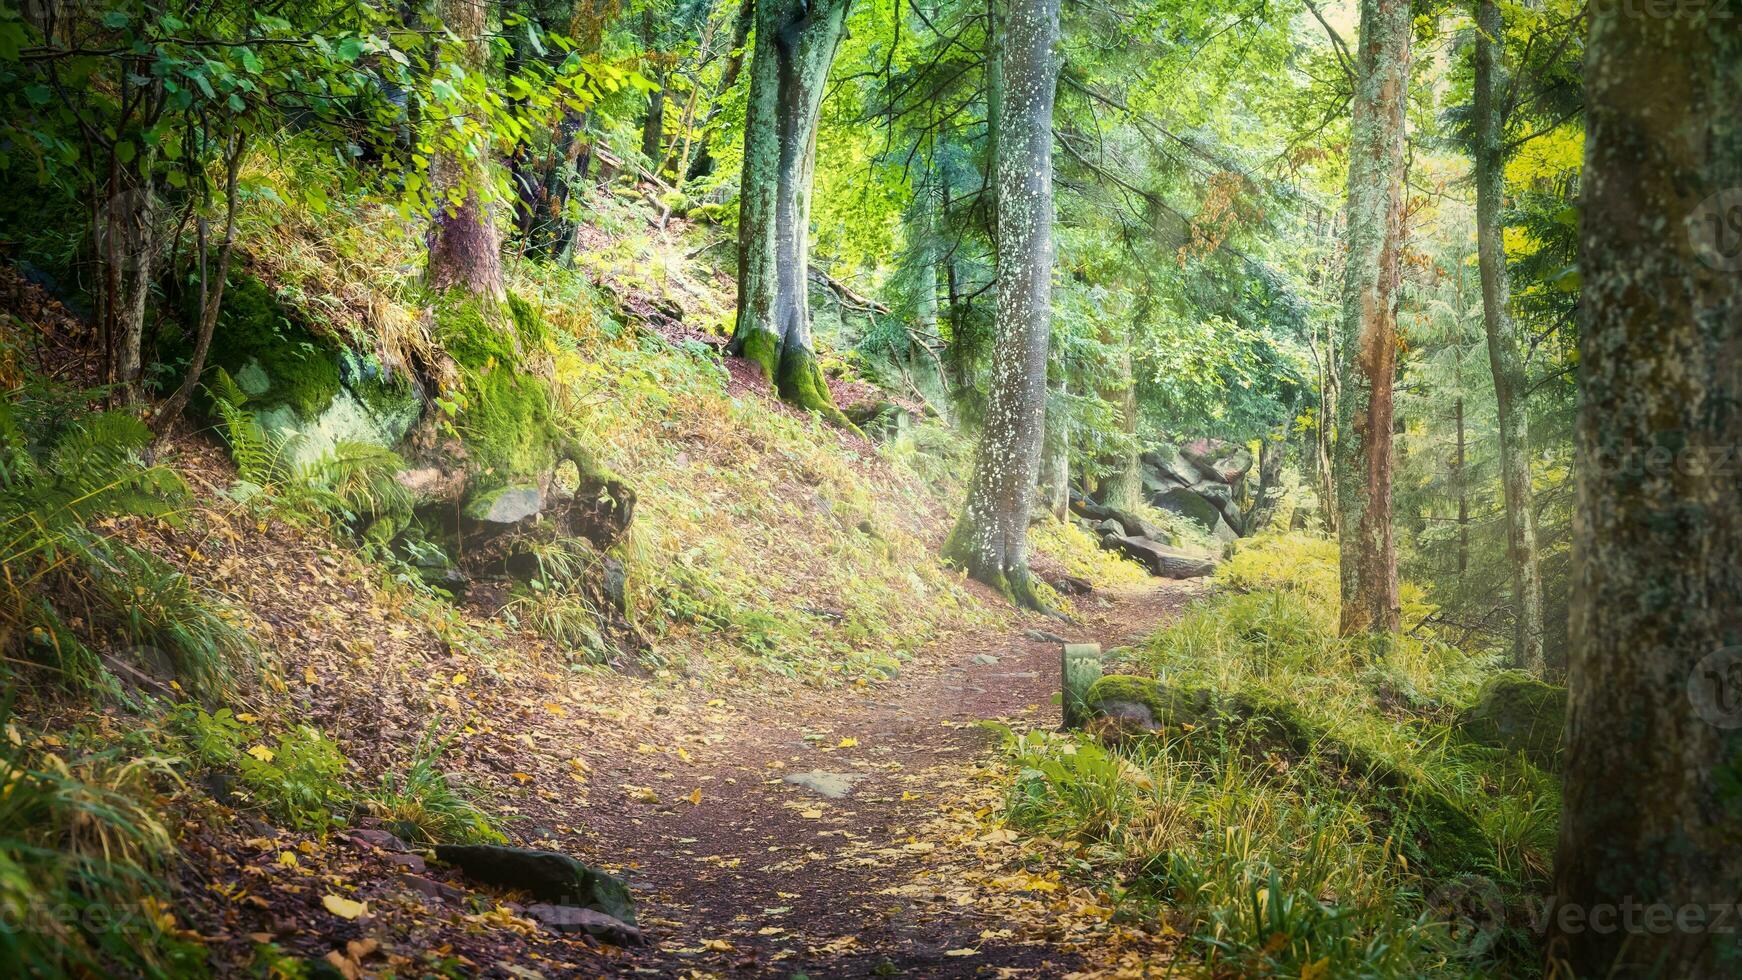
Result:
1280,862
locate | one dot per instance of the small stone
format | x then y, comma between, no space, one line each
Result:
833,785
985,659
570,919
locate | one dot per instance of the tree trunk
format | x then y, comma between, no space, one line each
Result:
653,128
1654,724
1503,354
990,538
464,247
1368,355
1055,462
1124,488
795,45
1461,480
702,163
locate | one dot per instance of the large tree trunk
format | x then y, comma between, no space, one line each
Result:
1055,462
990,538
1503,353
795,45
1124,488
465,249
1368,355
1654,726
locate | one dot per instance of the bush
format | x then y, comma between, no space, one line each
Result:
81,854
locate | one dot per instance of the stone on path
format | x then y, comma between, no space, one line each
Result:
985,659
571,919
833,785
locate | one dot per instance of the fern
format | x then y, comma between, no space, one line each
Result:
256,460
61,573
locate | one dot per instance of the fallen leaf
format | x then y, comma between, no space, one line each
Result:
344,908
695,796
262,753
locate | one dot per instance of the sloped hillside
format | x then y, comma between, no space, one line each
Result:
367,670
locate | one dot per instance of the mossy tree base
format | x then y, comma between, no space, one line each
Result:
969,549
794,372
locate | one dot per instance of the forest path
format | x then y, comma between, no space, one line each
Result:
758,876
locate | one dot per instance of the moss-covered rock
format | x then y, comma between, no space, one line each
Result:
1517,712
1435,831
308,393
274,361
506,416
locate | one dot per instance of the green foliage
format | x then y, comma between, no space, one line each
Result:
424,805
1299,814
82,855
298,779
61,476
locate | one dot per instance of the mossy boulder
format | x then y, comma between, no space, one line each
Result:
308,393
505,415
545,875
1437,832
1517,712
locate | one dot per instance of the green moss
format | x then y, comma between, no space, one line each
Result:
763,349
801,383
255,339
508,417
1517,712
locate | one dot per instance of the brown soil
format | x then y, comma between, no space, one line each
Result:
754,881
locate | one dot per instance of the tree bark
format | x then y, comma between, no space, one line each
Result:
1368,356
1124,488
1055,462
1654,724
1503,352
795,46
211,288
990,538
465,249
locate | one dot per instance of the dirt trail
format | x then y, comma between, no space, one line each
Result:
766,878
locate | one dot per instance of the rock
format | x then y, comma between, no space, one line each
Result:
833,785
410,862
1112,520
1160,559
546,875
1190,505
1218,460
439,891
1517,712
1042,636
505,505
377,838
574,919
985,659
1169,464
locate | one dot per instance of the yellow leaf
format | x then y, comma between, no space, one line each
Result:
262,753
344,908
717,945
961,952
811,814
695,796
642,794
308,676
1316,970
847,743
522,778
457,680
288,859
246,718
920,846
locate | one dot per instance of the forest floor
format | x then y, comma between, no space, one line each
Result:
908,873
